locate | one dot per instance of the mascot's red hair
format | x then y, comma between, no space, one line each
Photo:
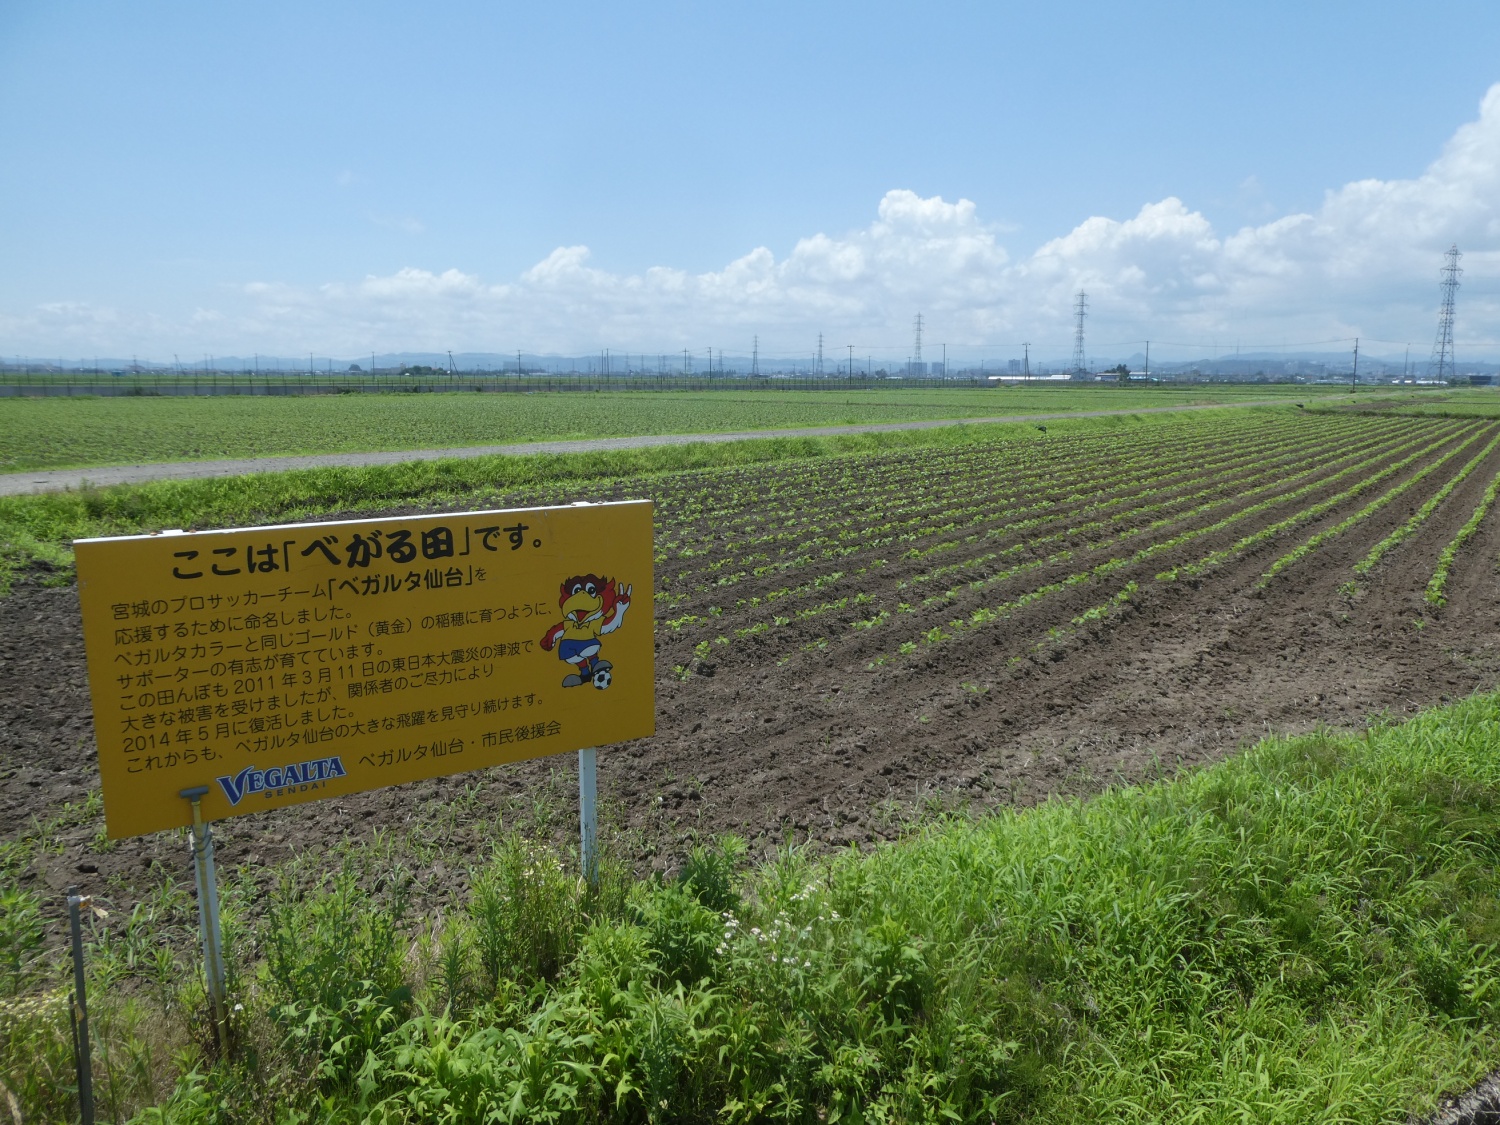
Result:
591,607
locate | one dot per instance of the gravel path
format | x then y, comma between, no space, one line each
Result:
60,480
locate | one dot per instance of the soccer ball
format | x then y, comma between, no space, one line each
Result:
602,679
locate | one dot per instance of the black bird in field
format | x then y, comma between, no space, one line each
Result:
1301,407
1042,428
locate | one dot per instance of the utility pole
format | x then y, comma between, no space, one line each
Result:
755,359
819,368
1354,373
1027,361
916,351
851,363
1148,361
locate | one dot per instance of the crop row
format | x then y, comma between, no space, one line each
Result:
897,497
1422,514
1308,546
842,486
989,615
1435,594
1036,534
934,521
1063,524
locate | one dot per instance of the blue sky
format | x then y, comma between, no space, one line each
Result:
339,178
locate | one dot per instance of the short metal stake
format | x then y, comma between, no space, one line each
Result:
83,1053
202,840
588,816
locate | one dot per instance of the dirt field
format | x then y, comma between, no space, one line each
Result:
806,731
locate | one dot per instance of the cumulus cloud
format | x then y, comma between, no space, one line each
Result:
1364,262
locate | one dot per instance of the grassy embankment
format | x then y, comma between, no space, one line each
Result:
1478,402
40,528
1305,933
45,433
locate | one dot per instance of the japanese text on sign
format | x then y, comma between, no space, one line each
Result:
281,664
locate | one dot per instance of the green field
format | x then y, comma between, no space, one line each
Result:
40,528
52,433
1477,403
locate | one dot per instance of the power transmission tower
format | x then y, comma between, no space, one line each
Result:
1080,310
1440,366
819,370
755,358
916,348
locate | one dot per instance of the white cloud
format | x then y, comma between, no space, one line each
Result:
1364,262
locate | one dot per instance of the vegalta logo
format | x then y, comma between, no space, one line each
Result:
277,778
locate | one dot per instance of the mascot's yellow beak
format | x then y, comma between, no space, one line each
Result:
580,606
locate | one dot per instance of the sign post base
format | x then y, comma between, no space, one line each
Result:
588,816
202,839
83,1054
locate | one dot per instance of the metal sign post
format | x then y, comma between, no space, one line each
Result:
201,836
588,817
83,1054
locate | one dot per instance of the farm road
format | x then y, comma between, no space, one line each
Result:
60,480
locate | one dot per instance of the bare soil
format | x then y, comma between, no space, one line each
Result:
780,743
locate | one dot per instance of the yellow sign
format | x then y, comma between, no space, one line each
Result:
277,665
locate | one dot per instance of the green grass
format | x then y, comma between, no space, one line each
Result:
1305,933
1479,402
45,433
40,528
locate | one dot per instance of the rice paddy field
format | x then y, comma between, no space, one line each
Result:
43,433
1142,769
